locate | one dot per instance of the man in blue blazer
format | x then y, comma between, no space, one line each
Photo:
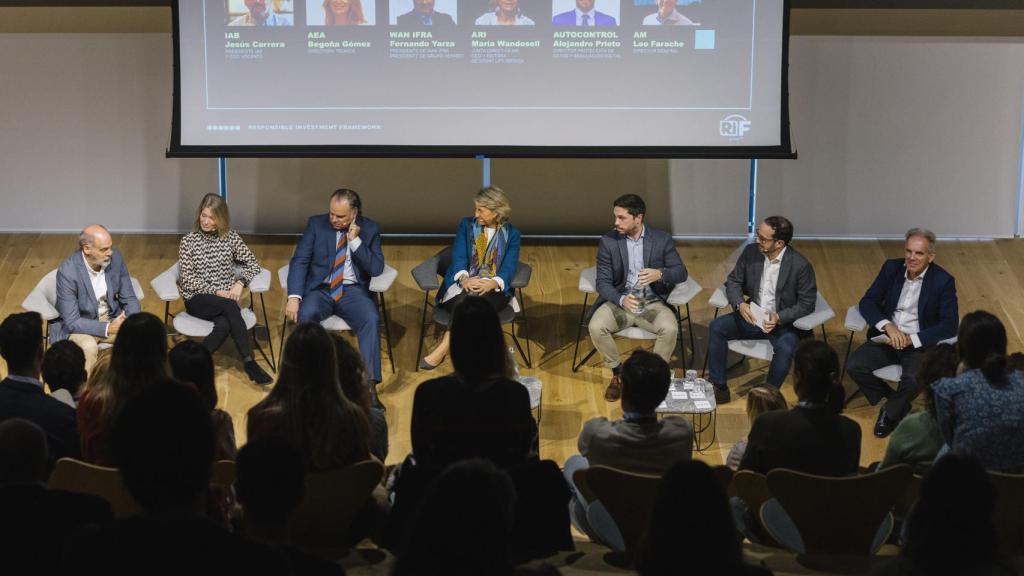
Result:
910,306
330,273
94,294
583,15
637,267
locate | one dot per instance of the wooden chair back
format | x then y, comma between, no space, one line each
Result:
81,477
333,498
629,499
1009,514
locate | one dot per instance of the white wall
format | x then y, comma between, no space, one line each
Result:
891,132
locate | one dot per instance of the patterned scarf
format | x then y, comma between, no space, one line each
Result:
486,255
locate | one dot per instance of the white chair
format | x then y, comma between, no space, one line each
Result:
855,322
679,296
43,299
166,287
378,285
762,349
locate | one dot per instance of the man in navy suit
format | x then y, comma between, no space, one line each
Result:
330,273
637,267
94,294
583,15
910,306
21,393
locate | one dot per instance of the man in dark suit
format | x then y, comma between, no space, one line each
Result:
909,307
21,393
330,273
780,281
423,14
94,294
583,15
637,267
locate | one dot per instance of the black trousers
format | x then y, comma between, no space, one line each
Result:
496,299
870,357
226,316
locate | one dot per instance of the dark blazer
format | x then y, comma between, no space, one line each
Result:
811,440
437,19
462,254
76,302
613,264
569,19
937,310
57,419
314,254
795,293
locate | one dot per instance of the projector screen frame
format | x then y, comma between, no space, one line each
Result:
783,151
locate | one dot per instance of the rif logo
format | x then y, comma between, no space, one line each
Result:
734,127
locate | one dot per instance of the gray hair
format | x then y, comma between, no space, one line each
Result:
494,198
85,238
923,233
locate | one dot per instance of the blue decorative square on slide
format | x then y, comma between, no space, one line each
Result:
704,40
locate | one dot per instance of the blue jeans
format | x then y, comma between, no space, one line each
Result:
733,327
358,308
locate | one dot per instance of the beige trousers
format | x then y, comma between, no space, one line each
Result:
610,318
90,345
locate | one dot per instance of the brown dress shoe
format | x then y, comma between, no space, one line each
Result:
614,390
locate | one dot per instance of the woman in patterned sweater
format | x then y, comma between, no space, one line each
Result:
211,286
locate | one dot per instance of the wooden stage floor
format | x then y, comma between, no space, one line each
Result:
989,274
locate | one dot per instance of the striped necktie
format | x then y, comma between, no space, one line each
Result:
338,272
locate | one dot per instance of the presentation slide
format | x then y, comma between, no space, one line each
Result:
479,76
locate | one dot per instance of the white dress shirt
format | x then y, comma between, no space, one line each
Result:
580,15
99,289
905,317
769,282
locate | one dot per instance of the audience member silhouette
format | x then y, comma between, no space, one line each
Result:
640,442
981,411
35,521
191,362
64,371
811,437
307,407
760,399
917,438
950,530
271,482
21,393
137,361
479,412
355,384
463,525
162,441
692,531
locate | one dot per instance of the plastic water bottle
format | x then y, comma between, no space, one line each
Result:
638,294
691,375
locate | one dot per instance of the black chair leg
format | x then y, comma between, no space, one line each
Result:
693,340
704,370
387,330
284,326
270,336
526,329
423,329
579,334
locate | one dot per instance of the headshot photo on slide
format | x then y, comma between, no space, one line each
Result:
423,13
260,12
585,13
504,13
341,12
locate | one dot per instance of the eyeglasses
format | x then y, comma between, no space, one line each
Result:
763,240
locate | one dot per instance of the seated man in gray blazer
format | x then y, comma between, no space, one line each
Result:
773,275
637,267
94,294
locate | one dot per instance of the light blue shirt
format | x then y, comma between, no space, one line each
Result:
25,380
580,15
635,250
349,272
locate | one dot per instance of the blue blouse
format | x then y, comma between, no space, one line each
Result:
982,420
